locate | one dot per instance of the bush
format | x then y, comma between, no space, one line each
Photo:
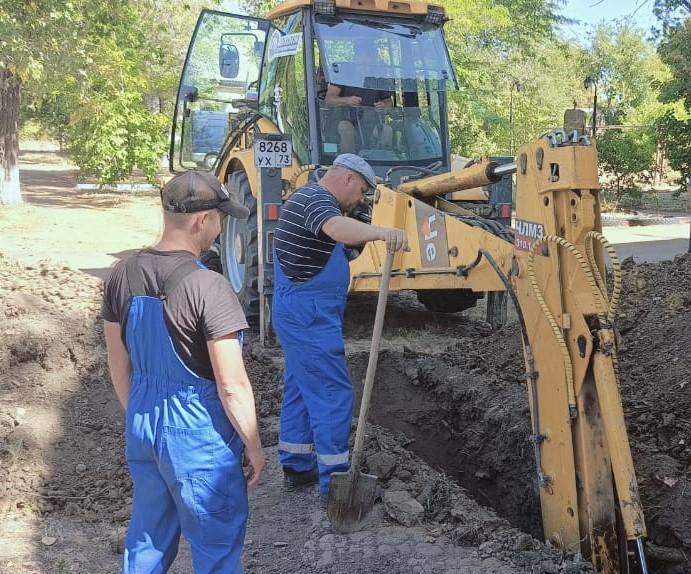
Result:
627,156
677,138
109,137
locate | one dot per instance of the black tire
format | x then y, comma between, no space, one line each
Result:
211,259
209,160
496,309
240,249
448,300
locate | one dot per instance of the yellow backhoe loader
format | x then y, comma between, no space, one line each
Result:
251,107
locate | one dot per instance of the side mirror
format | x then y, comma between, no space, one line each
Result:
189,93
228,61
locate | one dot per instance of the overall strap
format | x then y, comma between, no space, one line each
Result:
137,284
174,279
135,276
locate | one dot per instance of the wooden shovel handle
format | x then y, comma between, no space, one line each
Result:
372,364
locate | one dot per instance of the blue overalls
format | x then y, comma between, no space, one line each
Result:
317,395
184,455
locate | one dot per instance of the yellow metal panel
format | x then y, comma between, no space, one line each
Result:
559,499
395,209
474,194
618,444
557,195
386,6
242,157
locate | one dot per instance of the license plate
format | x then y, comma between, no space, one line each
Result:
269,153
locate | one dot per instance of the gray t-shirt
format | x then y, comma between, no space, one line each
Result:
203,307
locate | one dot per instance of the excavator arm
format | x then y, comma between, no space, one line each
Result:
554,271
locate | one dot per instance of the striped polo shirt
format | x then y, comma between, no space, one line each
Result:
302,249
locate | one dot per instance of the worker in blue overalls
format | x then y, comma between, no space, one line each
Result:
311,283
173,331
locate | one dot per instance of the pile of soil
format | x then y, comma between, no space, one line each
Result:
52,355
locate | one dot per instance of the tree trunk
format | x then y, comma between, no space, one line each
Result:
10,91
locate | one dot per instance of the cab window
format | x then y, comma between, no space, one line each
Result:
283,92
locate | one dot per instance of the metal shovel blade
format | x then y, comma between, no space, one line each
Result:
351,497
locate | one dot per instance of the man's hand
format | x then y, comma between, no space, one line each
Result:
383,104
354,101
256,460
235,392
118,361
396,239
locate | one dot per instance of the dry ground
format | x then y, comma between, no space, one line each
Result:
448,393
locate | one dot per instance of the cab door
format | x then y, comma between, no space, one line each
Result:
218,87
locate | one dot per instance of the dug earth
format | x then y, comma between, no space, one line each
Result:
449,439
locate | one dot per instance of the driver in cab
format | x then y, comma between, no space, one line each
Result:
359,107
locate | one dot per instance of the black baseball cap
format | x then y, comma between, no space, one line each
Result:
194,191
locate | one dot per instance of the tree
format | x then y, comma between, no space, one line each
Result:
675,51
626,154
623,64
10,93
672,12
259,8
81,63
677,137
35,36
510,70
111,129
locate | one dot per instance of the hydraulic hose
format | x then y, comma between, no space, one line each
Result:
531,374
606,306
611,302
302,169
556,329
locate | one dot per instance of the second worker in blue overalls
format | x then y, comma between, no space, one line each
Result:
312,278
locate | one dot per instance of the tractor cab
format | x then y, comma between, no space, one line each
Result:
337,76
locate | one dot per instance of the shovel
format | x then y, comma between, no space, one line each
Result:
351,494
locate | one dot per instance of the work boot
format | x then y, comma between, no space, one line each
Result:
292,479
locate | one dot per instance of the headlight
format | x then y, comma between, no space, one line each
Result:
327,7
435,15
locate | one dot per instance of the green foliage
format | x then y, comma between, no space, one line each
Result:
83,62
626,155
675,51
672,12
97,62
112,135
111,131
50,112
515,78
259,8
34,35
677,135
624,66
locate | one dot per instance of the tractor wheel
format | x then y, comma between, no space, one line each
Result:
240,249
496,309
448,300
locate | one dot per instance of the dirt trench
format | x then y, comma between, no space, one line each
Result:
465,410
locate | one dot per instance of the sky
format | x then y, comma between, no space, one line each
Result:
591,12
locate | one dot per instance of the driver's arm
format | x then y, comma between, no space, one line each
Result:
385,100
333,97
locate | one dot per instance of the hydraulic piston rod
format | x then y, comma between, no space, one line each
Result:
477,175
